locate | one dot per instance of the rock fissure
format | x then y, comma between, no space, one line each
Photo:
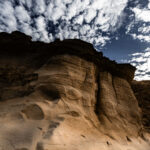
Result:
97,104
115,92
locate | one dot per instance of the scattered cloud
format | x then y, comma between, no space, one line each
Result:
7,18
141,37
142,62
142,14
46,20
139,27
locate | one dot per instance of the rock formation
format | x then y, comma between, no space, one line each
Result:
66,96
142,93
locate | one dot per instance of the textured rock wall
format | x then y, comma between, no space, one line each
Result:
142,93
59,111
119,111
65,96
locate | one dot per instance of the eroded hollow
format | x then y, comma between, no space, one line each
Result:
33,112
49,92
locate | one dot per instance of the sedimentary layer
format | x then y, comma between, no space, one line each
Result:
66,96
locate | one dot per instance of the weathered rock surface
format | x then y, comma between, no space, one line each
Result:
66,96
142,93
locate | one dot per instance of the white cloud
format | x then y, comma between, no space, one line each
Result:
79,19
23,19
139,28
142,14
142,62
40,24
89,15
141,37
49,19
144,29
21,14
149,5
7,18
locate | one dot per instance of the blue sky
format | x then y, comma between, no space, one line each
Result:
120,49
119,28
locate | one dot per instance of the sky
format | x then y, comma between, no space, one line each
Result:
118,28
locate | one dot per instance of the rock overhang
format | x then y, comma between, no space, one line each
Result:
18,44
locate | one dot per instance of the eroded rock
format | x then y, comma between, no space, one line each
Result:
66,96
142,93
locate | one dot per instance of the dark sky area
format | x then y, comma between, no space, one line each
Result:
118,28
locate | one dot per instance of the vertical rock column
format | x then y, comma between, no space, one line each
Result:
118,111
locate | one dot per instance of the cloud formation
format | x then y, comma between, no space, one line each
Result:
139,27
142,62
45,20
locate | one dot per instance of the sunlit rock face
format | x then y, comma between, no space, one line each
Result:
65,96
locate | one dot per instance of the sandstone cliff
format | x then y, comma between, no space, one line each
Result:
66,96
142,93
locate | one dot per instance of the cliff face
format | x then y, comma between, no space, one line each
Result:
65,96
142,93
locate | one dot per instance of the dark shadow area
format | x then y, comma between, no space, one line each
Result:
50,93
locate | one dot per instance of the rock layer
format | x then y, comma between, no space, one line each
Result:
65,96
142,93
